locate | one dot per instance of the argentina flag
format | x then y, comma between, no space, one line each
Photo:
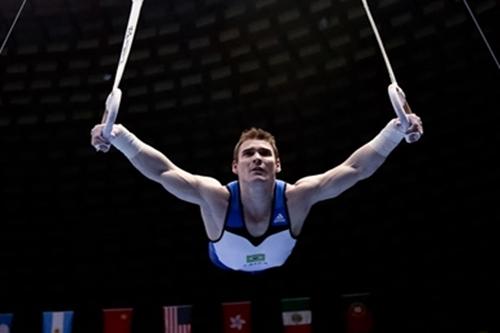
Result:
5,322
57,322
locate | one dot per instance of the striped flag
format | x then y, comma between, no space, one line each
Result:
237,317
57,322
117,320
5,322
177,318
297,316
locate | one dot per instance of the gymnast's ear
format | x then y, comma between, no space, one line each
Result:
234,167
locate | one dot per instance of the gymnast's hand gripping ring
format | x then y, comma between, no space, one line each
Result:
402,109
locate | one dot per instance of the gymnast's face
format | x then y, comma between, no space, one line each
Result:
256,161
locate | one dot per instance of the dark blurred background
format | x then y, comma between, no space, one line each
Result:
82,230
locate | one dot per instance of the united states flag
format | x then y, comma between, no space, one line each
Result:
177,319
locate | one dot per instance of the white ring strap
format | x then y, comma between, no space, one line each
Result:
114,98
127,41
379,40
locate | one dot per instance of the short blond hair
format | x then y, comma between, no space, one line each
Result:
255,133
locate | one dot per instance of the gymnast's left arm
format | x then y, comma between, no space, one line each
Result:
360,165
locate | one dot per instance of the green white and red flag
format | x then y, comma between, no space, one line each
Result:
297,316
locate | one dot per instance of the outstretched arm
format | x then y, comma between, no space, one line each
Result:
360,165
157,167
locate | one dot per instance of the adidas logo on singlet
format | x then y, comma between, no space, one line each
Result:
279,219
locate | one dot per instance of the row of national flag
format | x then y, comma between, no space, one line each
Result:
237,318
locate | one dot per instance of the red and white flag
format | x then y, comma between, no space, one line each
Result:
359,318
237,317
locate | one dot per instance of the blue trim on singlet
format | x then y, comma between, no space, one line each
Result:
234,218
235,221
214,258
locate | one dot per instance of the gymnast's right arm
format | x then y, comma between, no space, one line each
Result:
157,167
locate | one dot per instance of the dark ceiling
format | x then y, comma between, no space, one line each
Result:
95,232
